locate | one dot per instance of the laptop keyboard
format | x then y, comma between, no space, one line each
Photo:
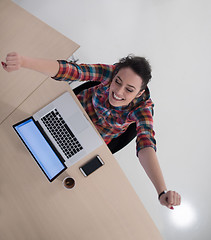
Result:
61,133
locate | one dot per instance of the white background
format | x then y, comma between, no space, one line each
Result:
175,36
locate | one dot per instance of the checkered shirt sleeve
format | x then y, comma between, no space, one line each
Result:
83,72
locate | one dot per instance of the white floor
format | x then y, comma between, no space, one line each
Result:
175,35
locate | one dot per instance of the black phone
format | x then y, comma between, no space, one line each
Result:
91,166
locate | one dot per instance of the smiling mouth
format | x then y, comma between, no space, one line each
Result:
116,97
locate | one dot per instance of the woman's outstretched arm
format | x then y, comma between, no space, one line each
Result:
15,61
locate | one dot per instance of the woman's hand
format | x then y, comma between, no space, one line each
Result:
13,62
170,199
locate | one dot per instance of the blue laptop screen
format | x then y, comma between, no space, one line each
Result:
40,148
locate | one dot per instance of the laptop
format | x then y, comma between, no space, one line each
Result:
58,136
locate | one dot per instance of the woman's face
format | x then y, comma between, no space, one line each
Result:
125,87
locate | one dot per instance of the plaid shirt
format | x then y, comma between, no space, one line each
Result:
110,121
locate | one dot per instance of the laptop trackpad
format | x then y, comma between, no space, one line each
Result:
78,122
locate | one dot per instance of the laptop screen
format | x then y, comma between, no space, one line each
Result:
40,148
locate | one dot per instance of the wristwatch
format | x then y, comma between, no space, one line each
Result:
163,192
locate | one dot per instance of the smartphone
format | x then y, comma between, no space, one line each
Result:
91,166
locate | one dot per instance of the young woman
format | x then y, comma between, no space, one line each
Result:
121,98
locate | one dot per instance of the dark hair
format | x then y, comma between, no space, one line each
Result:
139,65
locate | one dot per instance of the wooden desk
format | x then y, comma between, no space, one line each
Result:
102,206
